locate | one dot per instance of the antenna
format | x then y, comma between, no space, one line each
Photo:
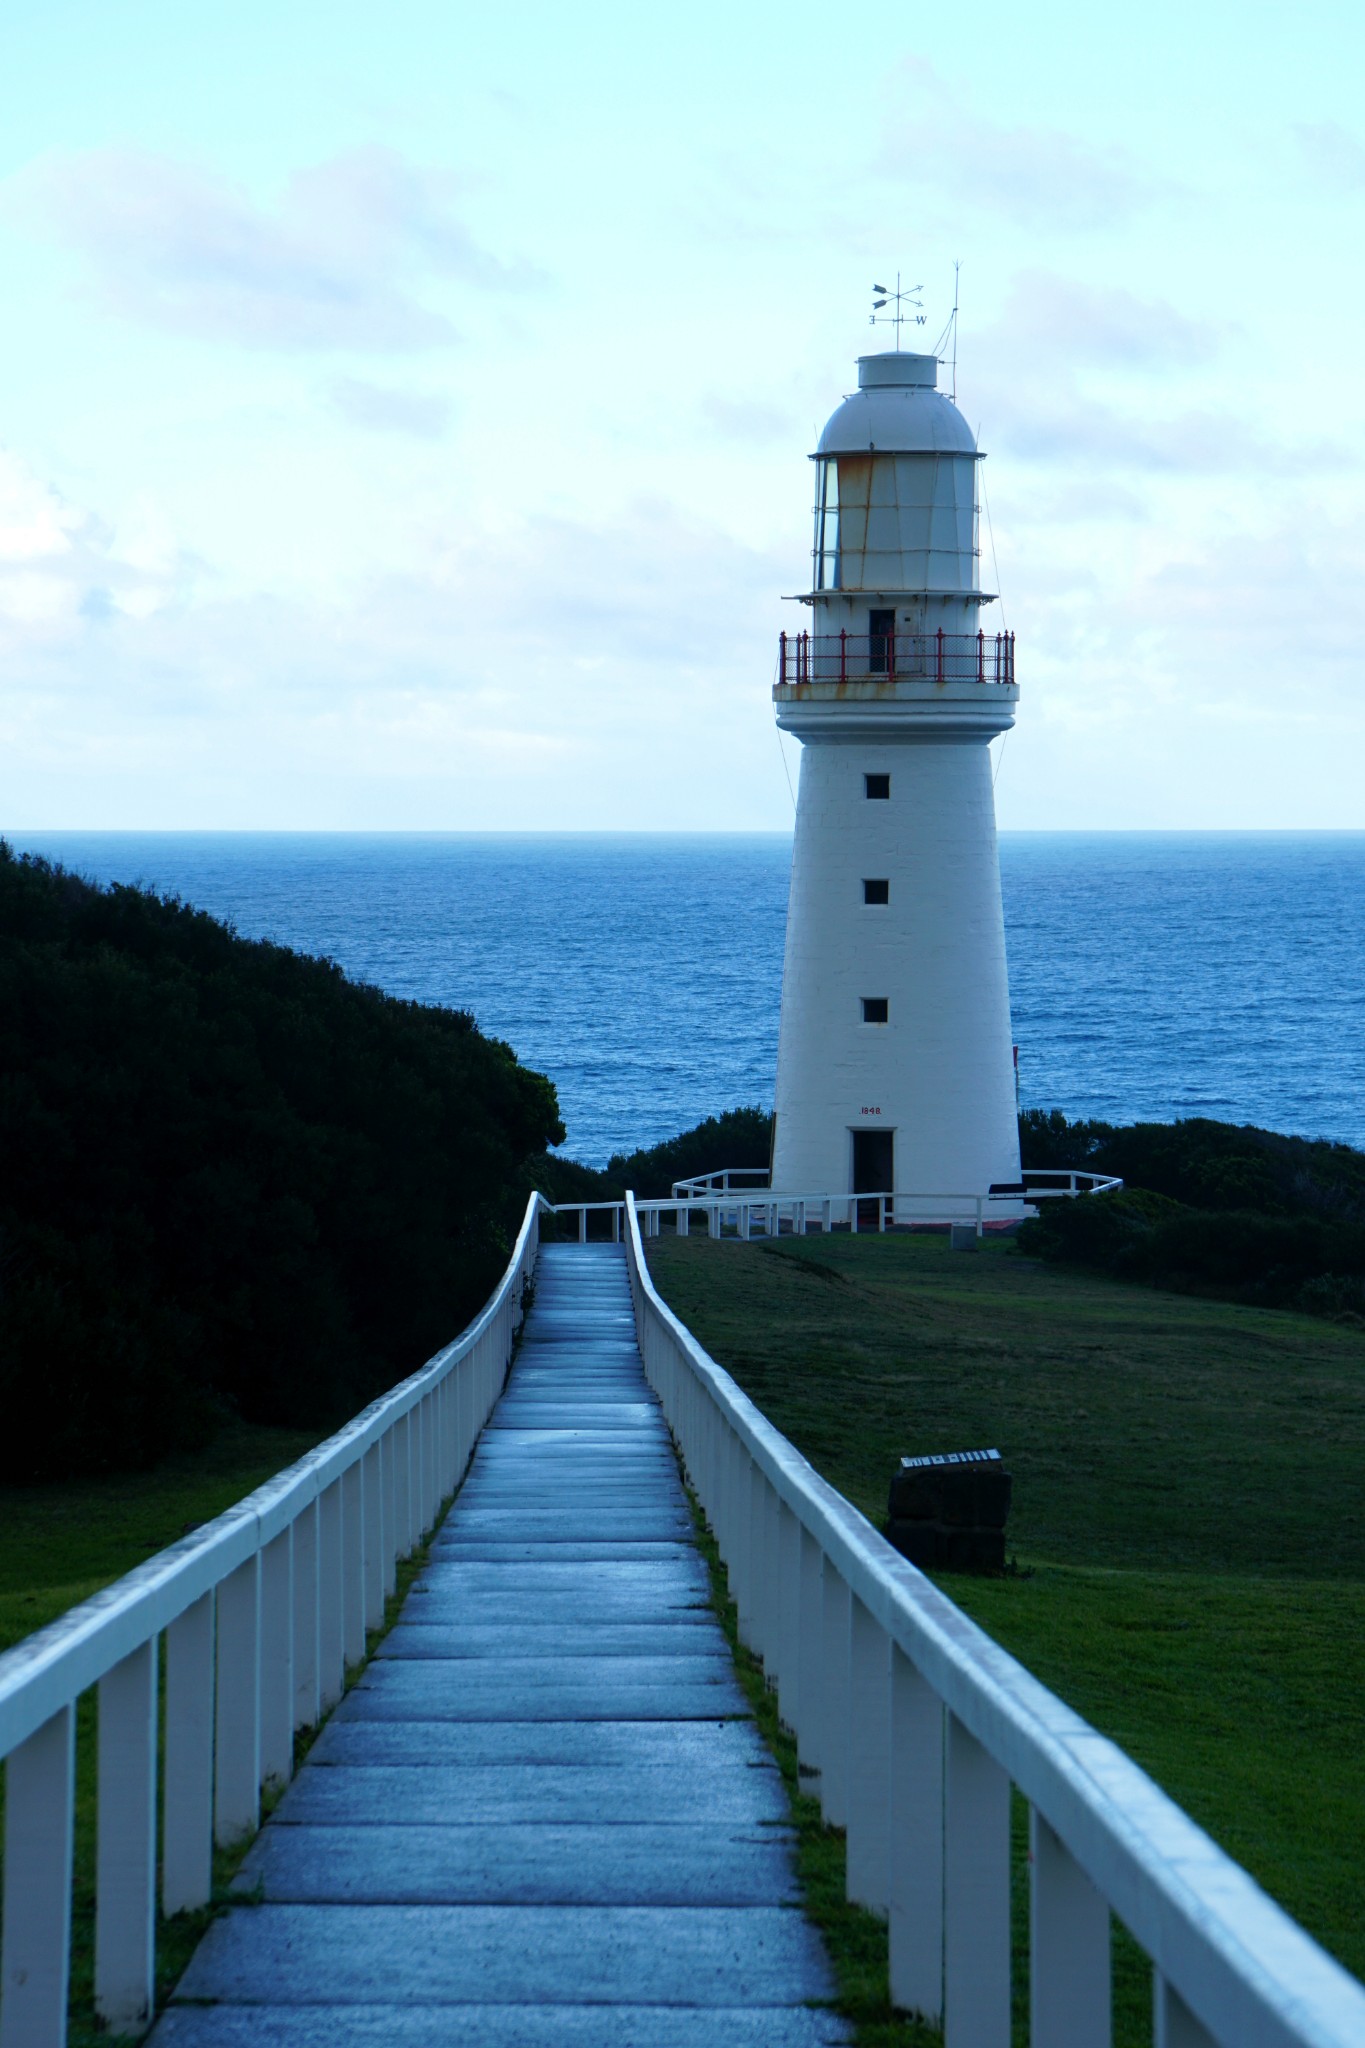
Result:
957,272
898,299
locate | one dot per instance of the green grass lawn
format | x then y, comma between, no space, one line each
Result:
60,1543
1188,1518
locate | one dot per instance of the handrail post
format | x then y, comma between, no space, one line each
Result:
277,1659
331,1635
40,1798
237,1743
125,1875
938,677
782,657
976,1894
187,1820
843,654
836,1732
981,654
1069,1967
915,1935
869,1839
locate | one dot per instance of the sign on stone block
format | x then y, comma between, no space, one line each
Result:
948,1512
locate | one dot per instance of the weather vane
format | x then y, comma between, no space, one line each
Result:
899,299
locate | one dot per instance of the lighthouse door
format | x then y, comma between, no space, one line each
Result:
874,1171
881,641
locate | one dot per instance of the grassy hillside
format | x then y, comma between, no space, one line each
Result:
1188,1523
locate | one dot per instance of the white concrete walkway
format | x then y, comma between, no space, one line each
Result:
543,1818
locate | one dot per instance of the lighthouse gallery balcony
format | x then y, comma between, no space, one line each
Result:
895,657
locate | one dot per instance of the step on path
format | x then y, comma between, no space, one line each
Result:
544,1817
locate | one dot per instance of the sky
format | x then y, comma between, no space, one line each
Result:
405,411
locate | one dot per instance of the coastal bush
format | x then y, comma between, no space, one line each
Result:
1213,1208
236,1183
1206,1164
737,1137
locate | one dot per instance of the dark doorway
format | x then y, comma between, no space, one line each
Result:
881,638
874,1171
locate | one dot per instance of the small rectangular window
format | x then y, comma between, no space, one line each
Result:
875,891
876,785
876,1009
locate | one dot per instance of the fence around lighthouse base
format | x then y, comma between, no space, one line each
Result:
917,1725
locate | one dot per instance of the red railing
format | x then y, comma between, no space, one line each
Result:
899,657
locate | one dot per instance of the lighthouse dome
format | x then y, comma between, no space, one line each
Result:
897,411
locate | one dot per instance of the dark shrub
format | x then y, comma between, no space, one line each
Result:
234,1180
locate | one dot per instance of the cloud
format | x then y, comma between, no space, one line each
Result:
1333,154
337,264
424,415
1039,178
63,569
1098,325
1095,378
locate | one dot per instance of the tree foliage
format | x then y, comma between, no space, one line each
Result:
1224,1209
235,1181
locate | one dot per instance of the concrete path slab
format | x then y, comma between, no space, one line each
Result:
505,2026
541,1640
385,1795
524,1863
488,1955
709,1751
544,1817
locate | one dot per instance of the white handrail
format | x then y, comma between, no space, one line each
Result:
261,1611
916,1724
726,1180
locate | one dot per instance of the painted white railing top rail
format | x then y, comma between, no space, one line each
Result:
1046,1182
917,1724
261,1611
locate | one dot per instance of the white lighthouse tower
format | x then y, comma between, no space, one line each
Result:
895,1066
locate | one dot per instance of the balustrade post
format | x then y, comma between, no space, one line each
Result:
402,1479
331,1636
772,1579
843,654
916,1929
976,1895
760,1609
981,654
810,1652
782,657
1173,2024
1070,2003
373,1488
466,1429
789,1614
938,672
277,1659
740,1559
40,1786
307,1602
187,1819
583,1225
353,1564
237,1734
869,1761
388,1451
835,1733
125,1857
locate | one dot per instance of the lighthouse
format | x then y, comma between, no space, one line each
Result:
895,1064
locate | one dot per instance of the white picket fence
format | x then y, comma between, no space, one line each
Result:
918,1724
259,1612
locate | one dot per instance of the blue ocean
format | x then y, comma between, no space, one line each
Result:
1153,974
